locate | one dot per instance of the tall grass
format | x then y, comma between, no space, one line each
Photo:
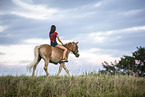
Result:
87,85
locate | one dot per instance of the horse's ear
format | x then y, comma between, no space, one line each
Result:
77,42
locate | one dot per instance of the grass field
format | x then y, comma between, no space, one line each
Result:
87,85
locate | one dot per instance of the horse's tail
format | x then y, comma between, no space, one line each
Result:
36,58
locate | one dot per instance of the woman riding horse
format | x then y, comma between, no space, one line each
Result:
53,35
54,53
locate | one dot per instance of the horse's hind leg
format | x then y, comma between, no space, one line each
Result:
45,67
34,67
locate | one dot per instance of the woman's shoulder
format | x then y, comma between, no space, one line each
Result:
56,33
53,33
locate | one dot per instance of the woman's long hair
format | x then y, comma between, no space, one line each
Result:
53,28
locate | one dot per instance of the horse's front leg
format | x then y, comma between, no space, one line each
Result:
66,69
60,69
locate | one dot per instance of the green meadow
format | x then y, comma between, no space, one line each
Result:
86,85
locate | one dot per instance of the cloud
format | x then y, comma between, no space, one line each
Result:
127,30
64,4
2,53
6,5
98,4
15,53
132,12
49,13
2,28
28,20
114,35
96,56
115,43
37,41
34,11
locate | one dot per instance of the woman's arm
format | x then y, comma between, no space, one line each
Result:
59,39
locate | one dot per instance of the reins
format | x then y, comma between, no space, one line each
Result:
72,50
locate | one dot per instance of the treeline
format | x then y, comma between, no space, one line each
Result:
128,65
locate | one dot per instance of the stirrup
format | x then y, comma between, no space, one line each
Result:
64,60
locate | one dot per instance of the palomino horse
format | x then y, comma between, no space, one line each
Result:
53,55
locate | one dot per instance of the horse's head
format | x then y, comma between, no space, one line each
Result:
75,49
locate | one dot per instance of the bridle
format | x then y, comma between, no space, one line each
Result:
76,49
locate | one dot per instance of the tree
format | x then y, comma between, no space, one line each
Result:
109,69
127,65
139,55
130,65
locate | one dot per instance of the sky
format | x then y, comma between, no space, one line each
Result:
106,30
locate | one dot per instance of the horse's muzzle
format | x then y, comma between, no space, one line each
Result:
77,55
